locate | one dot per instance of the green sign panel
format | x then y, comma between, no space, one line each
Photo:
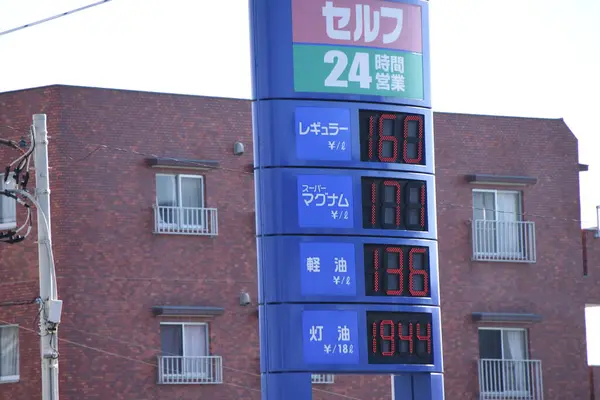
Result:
340,69
372,47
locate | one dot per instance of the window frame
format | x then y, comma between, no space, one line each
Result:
502,329
13,224
183,324
504,391
519,194
178,209
12,378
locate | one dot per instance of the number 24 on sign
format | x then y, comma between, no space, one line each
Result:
359,70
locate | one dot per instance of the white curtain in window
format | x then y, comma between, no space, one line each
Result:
191,192
516,372
484,215
191,201
194,338
165,190
509,231
9,352
166,198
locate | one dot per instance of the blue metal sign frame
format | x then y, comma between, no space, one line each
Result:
273,72
278,196
288,339
308,177
283,268
278,142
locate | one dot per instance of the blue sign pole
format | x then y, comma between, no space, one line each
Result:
345,195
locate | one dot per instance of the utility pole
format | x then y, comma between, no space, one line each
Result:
50,306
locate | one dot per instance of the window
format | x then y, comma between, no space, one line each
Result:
184,350
9,353
504,366
496,205
497,223
8,206
180,200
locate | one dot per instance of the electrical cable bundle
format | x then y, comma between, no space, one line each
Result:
16,177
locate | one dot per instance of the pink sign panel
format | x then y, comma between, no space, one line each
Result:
365,23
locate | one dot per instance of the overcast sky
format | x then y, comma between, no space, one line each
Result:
534,58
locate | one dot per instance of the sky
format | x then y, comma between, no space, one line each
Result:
531,58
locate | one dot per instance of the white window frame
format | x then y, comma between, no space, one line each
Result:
518,218
7,225
12,378
502,329
178,206
519,194
525,351
183,325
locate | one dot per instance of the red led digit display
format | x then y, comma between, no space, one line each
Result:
392,270
394,204
392,137
399,338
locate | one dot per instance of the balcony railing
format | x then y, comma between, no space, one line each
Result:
175,370
323,378
186,221
512,241
510,380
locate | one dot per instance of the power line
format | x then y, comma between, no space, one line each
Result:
441,203
152,155
64,14
17,303
128,343
114,354
110,353
143,278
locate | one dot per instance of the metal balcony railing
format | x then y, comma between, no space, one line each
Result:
186,220
175,370
512,241
510,380
323,378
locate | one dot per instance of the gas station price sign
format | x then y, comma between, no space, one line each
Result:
349,202
399,338
351,135
356,269
355,338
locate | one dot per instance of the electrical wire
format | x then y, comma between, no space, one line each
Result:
117,355
13,176
17,303
68,326
63,14
47,242
163,279
441,203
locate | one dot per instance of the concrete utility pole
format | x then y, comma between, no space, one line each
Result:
51,307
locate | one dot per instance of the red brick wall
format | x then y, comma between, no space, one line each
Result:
19,262
112,269
546,150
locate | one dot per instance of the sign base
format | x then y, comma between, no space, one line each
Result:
418,386
298,386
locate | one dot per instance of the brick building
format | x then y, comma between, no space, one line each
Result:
153,233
